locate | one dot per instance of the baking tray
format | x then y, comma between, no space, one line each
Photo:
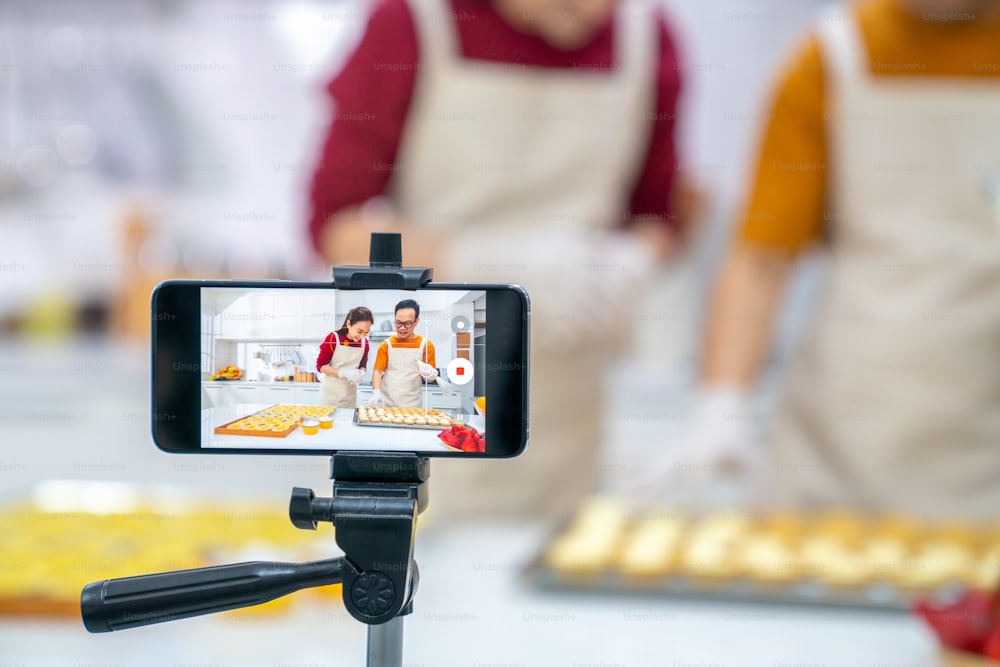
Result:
40,577
225,430
807,590
877,596
414,427
272,411
276,411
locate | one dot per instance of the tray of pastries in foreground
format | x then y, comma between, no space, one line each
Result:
69,533
835,557
418,418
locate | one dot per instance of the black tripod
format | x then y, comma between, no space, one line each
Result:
374,508
376,499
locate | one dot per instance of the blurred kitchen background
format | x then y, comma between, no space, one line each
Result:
175,139
171,138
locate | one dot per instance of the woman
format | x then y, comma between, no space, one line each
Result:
343,359
526,141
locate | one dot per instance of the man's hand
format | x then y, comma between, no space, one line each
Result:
354,376
427,371
377,398
716,458
346,237
447,388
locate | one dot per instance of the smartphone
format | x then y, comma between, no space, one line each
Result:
281,367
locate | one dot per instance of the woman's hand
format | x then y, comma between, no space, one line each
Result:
346,239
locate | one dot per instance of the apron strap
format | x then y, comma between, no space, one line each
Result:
636,60
843,45
437,37
636,37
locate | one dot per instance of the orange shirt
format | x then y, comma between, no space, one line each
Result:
382,356
787,204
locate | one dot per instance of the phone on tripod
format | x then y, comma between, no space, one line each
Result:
385,372
281,367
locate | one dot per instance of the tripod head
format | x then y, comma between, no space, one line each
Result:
375,503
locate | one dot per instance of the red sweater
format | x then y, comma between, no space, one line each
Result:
329,344
372,101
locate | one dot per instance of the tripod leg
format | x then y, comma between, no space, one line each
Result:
385,644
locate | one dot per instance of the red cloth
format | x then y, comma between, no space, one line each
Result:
372,96
969,624
329,344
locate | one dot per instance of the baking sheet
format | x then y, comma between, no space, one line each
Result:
277,410
876,593
411,427
225,430
883,596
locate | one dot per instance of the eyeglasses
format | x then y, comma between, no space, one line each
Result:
405,325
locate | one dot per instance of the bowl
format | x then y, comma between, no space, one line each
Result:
310,426
326,421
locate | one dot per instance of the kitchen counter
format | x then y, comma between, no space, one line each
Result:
472,611
430,387
259,383
227,393
345,434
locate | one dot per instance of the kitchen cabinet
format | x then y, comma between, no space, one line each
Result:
211,395
254,316
272,394
272,317
317,325
435,399
307,395
234,319
214,394
441,402
246,393
287,315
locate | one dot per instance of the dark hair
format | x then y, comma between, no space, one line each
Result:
355,315
408,303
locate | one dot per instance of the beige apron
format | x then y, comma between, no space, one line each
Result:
530,168
895,401
337,391
401,383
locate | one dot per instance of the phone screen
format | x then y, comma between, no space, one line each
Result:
301,368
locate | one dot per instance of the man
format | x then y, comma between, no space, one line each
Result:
880,147
403,361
